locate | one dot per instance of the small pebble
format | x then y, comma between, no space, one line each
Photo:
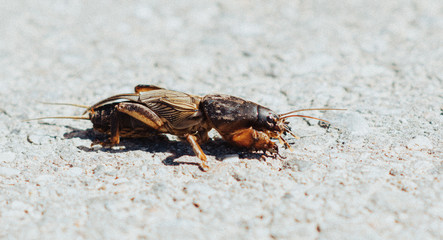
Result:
120,181
353,122
297,165
419,143
39,139
111,173
8,172
424,166
74,171
239,175
44,179
100,169
96,147
19,205
118,147
199,189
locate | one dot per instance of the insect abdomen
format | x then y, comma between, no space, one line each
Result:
129,127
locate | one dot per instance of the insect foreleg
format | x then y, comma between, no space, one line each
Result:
197,150
251,138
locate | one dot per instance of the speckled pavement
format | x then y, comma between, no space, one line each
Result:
376,173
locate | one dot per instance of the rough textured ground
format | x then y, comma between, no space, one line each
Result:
375,174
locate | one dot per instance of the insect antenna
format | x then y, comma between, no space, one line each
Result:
310,109
304,116
59,117
65,104
125,96
288,115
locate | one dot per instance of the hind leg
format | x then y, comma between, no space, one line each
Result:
114,139
135,110
193,141
143,114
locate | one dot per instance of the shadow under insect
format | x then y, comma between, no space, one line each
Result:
161,144
151,110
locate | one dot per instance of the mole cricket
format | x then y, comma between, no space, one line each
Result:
153,110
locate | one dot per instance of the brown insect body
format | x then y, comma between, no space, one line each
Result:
229,113
130,127
153,110
241,122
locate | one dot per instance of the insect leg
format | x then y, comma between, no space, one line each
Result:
114,139
251,138
115,129
142,113
134,110
197,150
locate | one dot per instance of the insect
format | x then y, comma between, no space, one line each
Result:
153,110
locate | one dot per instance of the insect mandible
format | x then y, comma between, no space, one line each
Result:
153,110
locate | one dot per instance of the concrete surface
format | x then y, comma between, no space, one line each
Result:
375,174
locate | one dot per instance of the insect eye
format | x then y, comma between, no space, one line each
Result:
270,119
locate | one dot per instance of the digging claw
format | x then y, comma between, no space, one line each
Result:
106,144
204,167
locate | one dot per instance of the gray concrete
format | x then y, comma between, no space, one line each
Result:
375,174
